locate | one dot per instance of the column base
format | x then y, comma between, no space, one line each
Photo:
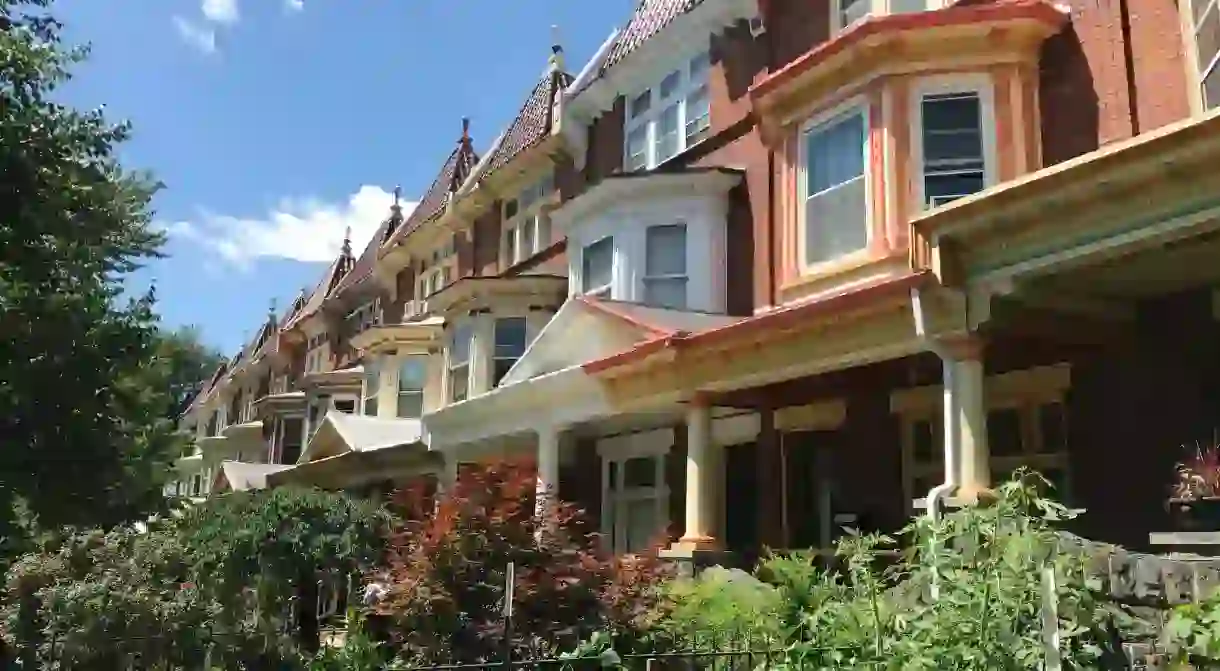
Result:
691,560
695,543
977,495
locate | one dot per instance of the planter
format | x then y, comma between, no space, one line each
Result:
1195,514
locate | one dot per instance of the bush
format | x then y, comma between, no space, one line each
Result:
447,571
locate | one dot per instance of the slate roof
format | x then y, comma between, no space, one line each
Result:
649,18
455,171
533,122
362,267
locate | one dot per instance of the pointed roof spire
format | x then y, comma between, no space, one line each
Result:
556,59
271,310
465,130
346,250
397,206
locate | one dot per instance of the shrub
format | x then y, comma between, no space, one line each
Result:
447,571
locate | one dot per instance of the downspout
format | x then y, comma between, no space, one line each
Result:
952,443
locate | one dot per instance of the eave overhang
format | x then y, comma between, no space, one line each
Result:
962,35
346,377
414,337
1149,189
485,293
633,187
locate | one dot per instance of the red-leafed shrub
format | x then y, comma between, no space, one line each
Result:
447,566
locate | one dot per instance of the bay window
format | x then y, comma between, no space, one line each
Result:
372,385
509,346
834,187
665,266
951,144
846,13
635,501
412,376
459,363
668,117
597,268
1205,34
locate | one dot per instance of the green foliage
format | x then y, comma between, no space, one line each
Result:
447,572
1192,633
217,583
82,408
876,611
721,608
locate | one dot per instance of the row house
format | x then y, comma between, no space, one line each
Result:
763,269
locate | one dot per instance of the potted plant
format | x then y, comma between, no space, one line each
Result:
1195,501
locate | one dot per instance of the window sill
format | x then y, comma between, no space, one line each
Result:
839,274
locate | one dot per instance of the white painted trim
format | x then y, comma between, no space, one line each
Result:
1045,382
654,443
817,416
651,119
736,429
982,85
856,105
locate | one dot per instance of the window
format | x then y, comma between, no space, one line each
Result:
597,268
459,363
510,345
846,13
665,266
635,501
527,229
372,385
412,376
346,406
668,118
324,403
1026,426
291,435
364,317
1205,24
953,157
835,188
851,11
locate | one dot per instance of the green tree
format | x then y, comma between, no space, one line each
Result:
187,364
78,420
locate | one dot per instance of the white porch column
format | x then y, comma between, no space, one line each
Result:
700,474
548,462
965,387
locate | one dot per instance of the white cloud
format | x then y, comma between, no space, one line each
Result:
220,11
294,5
298,229
199,37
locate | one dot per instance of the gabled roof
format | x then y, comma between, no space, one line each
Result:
238,476
649,18
362,267
533,122
341,433
451,176
330,279
588,329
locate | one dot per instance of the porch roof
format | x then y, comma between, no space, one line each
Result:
341,433
240,476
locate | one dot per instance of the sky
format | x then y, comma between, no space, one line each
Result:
276,124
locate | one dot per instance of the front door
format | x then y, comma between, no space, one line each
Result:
809,505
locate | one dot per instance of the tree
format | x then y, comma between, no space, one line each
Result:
187,365
78,421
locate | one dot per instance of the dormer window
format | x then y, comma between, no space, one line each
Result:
597,268
527,229
459,363
364,317
665,266
668,117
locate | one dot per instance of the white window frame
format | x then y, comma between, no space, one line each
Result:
468,364
650,119
371,377
858,105
604,290
614,502
876,8
1026,390
495,330
400,392
1190,31
982,86
531,217
646,279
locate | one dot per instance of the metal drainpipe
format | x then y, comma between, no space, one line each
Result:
952,419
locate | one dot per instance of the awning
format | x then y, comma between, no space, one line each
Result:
238,476
349,450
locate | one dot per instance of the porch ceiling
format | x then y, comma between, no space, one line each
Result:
1177,266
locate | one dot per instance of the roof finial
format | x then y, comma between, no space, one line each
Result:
347,241
396,208
465,129
556,59
271,309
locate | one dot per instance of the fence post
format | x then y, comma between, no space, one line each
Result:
510,585
1050,620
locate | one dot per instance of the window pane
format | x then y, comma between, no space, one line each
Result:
459,348
1052,422
669,85
851,11
665,248
665,293
345,406
667,132
637,148
510,209
597,265
836,222
459,381
527,238
640,104
698,115
952,135
1004,432
907,6
1211,88
698,67
412,374
640,472
411,405
835,153
510,337
1207,37
941,189
642,524
1198,8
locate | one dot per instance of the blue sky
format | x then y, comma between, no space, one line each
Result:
277,123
